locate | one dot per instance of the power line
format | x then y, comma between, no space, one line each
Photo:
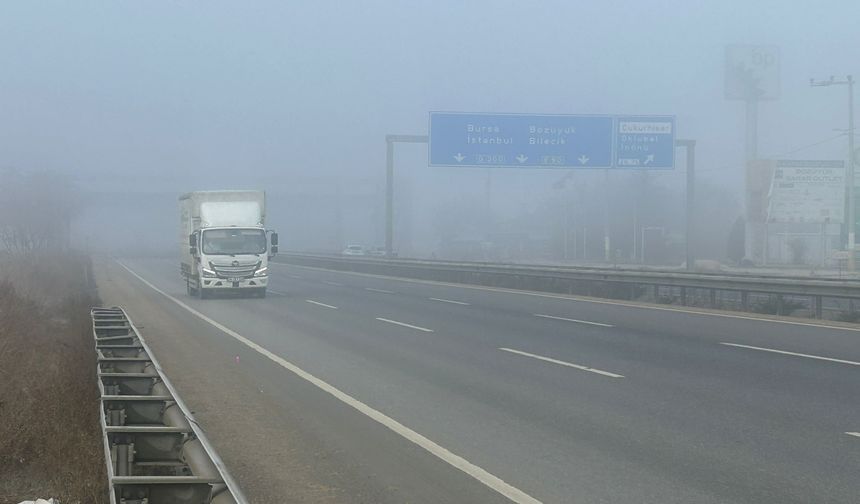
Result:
830,139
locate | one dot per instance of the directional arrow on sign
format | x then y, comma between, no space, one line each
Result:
649,159
583,159
521,158
459,157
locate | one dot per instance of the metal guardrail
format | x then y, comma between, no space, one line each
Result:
598,282
154,450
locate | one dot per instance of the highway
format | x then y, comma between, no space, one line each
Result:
343,387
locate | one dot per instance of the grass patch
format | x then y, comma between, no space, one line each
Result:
50,438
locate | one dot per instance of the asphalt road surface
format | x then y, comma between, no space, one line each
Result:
343,387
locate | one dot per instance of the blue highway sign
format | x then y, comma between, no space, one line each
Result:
645,142
551,141
528,141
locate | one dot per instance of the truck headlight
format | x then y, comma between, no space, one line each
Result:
208,273
261,272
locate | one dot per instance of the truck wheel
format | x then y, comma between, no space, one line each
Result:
189,290
201,293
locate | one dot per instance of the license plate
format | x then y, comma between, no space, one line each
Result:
234,280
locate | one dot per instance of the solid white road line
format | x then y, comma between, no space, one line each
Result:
311,301
573,320
297,277
449,301
641,306
561,362
404,324
279,293
817,357
328,282
371,289
855,434
493,482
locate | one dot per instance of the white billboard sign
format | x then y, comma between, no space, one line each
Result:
807,191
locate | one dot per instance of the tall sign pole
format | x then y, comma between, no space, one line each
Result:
752,75
850,217
690,200
390,140
752,129
389,195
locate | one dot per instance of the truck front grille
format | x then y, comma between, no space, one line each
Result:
234,271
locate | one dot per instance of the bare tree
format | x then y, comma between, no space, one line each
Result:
36,209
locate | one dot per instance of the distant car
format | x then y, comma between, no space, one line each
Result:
377,252
353,250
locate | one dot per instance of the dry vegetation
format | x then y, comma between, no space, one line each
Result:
50,439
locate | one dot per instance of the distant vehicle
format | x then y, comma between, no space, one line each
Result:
377,252
224,243
353,250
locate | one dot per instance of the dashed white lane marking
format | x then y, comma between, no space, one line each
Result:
404,324
640,306
808,356
311,301
491,481
371,289
329,282
574,320
855,434
449,301
279,293
562,363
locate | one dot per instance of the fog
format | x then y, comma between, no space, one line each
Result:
138,102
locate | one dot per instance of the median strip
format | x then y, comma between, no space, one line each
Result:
311,301
404,324
808,356
449,301
562,363
573,320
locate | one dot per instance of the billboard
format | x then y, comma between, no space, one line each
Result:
752,72
807,191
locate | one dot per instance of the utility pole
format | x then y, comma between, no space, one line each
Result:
849,175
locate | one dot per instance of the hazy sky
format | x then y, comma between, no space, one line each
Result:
187,89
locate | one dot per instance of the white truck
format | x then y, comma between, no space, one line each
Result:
225,246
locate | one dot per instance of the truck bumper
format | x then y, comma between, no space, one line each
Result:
227,284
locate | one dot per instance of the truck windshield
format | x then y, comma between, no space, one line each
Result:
234,241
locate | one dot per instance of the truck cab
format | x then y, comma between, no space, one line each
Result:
230,258
228,248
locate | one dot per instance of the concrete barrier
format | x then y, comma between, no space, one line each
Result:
716,290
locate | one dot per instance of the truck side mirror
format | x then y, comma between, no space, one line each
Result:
273,250
275,240
192,240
